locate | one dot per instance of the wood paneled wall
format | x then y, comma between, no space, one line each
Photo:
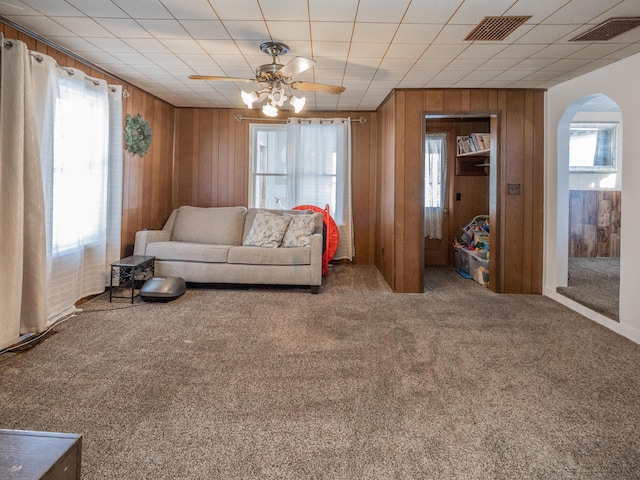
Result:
594,223
519,131
146,180
212,165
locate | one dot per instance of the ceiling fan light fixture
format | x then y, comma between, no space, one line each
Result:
249,98
270,110
297,103
277,96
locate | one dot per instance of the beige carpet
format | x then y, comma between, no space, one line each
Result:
595,283
353,383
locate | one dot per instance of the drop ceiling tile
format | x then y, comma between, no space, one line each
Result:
143,8
133,58
183,46
169,59
146,45
574,12
331,49
123,28
333,10
164,28
545,34
247,30
566,64
480,75
287,31
420,75
431,11
237,10
405,50
539,10
397,64
444,51
103,58
626,51
626,8
9,8
205,29
290,10
331,31
468,83
83,27
98,8
417,33
519,51
381,10
511,75
559,51
465,64
364,50
374,32
469,11
43,26
481,50
496,64
595,64
454,34
597,50
76,44
388,75
112,45
534,64
190,10
54,8
428,64
446,78
220,47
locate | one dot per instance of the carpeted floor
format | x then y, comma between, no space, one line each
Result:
595,283
353,383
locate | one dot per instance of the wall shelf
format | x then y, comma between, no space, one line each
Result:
472,165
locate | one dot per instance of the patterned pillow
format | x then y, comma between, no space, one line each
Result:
267,230
299,231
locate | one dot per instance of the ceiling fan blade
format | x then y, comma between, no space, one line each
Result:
295,66
221,79
317,87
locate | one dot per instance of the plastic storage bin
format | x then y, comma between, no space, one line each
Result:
479,267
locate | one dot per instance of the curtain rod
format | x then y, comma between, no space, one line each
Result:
240,118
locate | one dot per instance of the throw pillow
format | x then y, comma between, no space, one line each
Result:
299,231
267,230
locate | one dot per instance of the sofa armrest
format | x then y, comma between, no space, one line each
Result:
316,259
144,237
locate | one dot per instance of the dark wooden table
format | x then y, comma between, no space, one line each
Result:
26,455
126,270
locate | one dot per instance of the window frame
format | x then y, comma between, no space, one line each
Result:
613,150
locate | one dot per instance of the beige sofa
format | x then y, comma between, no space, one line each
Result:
237,245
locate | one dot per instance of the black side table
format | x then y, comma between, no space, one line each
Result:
127,269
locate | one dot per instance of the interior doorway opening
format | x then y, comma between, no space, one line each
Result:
470,190
590,167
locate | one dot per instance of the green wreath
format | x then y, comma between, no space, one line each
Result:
137,135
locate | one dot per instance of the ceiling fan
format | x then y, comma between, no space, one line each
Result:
273,76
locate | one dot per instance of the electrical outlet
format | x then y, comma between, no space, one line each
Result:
513,189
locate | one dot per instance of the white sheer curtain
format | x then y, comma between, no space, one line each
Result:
319,171
80,125
22,230
435,182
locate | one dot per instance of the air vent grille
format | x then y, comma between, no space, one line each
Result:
608,29
496,28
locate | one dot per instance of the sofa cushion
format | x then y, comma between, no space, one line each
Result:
299,231
267,230
214,225
188,252
269,256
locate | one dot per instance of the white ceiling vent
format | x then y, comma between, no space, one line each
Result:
496,28
608,29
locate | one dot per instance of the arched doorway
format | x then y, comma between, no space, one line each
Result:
589,203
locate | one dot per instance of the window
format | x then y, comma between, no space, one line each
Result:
435,175
305,162
79,165
593,147
268,178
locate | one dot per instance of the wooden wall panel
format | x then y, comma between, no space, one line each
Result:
212,164
519,161
385,186
594,223
146,180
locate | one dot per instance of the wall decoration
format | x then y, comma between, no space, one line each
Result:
137,135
